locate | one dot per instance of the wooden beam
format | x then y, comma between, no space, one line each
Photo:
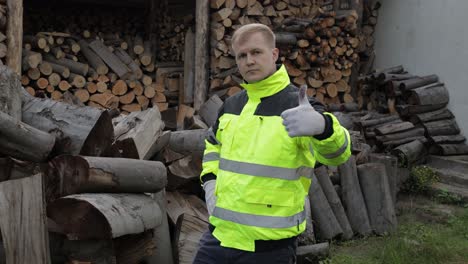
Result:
14,34
202,58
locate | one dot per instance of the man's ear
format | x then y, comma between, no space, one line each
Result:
275,52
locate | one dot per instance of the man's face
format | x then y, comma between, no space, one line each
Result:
255,57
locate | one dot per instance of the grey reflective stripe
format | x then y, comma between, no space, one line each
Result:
339,151
265,171
260,220
212,156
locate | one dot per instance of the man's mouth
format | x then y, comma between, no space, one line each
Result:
251,71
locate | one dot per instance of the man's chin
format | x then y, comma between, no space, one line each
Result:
254,79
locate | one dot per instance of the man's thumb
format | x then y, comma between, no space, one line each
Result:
303,100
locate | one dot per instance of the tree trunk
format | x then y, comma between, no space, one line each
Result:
22,141
93,59
188,141
188,232
353,201
322,214
418,82
440,114
110,59
137,133
334,201
429,96
23,222
78,130
391,166
393,128
104,216
442,127
374,183
451,149
161,235
415,132
312,252
77,174
202,58
12,169
209,110
410,153
10,93
14,34
189,70
447,139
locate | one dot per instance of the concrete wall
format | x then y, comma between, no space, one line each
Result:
428,37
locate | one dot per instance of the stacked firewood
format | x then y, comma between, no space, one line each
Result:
366,36
317,47
104,61
418,122
3,27
97,205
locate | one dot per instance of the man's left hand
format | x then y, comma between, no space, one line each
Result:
303,120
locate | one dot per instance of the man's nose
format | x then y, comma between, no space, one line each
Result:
250,59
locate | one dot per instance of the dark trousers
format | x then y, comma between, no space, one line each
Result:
211,252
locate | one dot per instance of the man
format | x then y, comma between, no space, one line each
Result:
259,158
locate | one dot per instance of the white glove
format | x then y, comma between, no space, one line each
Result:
303,120
210,196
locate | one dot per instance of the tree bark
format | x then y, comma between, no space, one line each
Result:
14,35
93,59
451,149
137,133
322,214
418,82
429,96
391,168
110,59
393,128
440,114
202,58
78,130
189,230
373,180
77,174
22,141
410,153
353,201
442,127
315,252
161,235
23,222
189,67
188,141
104,216
334,201
209,110
10,93
415,132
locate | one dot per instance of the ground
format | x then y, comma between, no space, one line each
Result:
428,232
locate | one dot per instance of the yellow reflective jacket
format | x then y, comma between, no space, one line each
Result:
263,175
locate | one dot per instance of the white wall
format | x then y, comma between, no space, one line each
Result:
428,37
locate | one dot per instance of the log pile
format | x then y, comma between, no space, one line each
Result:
97,203
318,47
415,120
104,59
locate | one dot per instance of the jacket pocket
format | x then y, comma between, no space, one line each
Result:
269,197
225,133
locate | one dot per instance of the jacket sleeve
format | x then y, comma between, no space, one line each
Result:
333,146
211,156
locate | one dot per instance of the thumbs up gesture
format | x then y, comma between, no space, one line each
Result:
303,120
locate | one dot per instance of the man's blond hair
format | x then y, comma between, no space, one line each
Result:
242,33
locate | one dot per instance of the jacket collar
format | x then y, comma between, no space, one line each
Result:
269,86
